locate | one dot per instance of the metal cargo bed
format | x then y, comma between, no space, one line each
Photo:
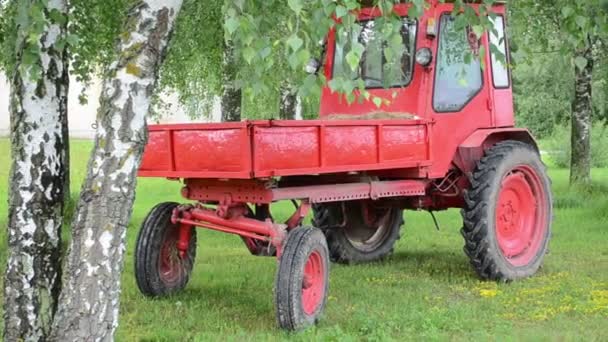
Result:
260,149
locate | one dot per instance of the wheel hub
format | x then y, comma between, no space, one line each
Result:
520,224
313,283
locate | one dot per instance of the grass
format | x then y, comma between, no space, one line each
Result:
425,291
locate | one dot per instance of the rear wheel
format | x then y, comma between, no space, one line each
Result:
302,279
359,231
508,213
159,269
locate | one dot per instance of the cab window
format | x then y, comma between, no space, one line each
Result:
375,68
458,77
500,71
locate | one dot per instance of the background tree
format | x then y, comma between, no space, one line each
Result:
231,90
575,30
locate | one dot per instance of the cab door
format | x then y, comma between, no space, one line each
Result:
459,101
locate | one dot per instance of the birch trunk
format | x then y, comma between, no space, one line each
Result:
231,94
89,302
580,167
289,102
36,189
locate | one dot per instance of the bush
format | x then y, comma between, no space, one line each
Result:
557,146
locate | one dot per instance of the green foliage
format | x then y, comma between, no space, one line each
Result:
542,97
558,146
306,22
8,35
193,66
96,24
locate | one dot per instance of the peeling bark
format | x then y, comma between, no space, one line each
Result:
89,301
36,190
231,94
289,102
580,167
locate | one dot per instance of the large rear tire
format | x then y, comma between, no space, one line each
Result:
302,279
508,213
159,269
357,231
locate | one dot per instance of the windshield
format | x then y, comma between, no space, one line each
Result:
376,68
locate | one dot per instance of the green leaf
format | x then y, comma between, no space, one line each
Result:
72,39
353,60
581,21
335,84
341,11
377,101
295,5
249,54
295,42
58,17
478,30
580,62
231,24
567,11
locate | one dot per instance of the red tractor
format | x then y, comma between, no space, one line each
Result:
446,140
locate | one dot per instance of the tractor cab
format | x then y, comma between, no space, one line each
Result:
440,76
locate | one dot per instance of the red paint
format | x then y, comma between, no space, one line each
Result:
313,283
520,216
260,192
185,233
257,149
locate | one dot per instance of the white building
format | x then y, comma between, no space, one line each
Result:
81,117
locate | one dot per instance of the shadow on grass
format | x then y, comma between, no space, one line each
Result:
436,264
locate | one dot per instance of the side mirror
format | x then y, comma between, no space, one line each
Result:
424,57
313,66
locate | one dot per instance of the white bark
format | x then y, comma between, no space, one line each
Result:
89,302
38,110
288,106
231,94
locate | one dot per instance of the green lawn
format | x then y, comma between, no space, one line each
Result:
425,291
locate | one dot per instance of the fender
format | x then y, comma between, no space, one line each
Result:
474,147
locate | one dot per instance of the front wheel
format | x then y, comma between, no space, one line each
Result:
302,279
159,269
508,213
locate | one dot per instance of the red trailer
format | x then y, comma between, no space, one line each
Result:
441,143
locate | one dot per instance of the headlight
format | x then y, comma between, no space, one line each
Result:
424,57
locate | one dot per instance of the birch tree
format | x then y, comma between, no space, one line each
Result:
288,102
89,301
38,107
231,92
577,30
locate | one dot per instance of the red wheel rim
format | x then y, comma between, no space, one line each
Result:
313,283
521,222
170,263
